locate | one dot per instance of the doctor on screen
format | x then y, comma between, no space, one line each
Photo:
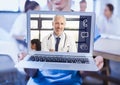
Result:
58,40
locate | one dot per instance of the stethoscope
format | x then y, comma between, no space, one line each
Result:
65,40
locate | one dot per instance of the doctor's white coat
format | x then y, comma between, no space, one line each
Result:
67,43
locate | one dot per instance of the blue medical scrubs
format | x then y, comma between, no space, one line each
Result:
59,77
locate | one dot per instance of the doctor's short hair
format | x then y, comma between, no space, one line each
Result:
59,16
30,5
110,7
83,1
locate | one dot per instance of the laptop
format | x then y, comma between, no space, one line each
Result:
78,24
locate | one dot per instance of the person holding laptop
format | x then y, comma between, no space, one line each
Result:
19,28
58,77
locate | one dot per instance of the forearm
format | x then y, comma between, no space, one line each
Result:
20,37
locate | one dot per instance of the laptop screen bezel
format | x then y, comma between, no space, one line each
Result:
92,14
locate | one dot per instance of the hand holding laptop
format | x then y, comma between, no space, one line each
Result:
98,60
21,56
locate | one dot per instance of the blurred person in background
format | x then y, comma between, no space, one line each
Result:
19,28
109,24
83,5
49,4
61,5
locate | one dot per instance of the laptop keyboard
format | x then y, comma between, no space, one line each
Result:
59,58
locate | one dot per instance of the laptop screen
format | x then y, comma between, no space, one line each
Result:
74,29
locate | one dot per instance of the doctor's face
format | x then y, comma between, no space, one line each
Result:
58,24
83,6
60,4
107,12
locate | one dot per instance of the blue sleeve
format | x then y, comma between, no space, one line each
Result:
96,34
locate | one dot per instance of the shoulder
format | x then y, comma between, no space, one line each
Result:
47,37
69,37
21,19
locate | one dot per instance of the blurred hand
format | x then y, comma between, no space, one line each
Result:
21,56
99,62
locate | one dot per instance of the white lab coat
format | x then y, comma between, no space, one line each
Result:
110,27
67,43
19,27
8,45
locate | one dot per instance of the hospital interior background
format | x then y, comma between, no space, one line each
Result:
10,10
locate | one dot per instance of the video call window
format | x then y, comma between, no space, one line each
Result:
77,27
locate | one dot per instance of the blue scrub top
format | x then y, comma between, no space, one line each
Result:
59,77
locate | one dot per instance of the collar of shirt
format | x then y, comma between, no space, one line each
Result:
61,36
110,20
